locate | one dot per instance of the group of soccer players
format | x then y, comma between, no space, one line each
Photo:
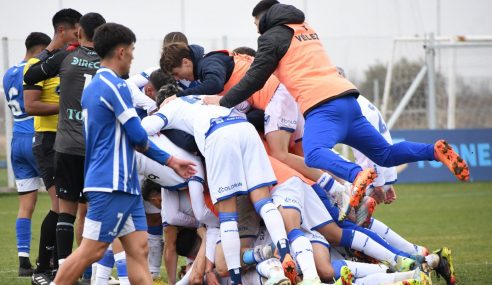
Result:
228,154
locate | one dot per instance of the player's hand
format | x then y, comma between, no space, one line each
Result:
390,195
378,194
211,278
167,100
212,100
184,168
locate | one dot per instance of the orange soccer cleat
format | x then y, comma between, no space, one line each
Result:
457,165
361,182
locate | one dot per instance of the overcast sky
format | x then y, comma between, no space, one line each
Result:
356,33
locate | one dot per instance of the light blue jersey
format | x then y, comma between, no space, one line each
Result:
110,158
12,84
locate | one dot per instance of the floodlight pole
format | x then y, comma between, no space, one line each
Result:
8,117
430,56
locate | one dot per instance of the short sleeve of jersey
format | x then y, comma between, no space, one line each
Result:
29,63
121,99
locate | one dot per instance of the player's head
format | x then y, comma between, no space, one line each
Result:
88,25
151,192
176,59
245,50
115,42
157,79
189,242
174,37
261,8
166,91
36,42
65,22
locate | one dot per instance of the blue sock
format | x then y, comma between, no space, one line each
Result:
347,238
235,275
155,230
121,268
87,273
108,259
337,267
382,242
23,230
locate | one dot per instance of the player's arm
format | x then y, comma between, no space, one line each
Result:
127,116
214,78
170,254
33,104
45,69
173,215
271,48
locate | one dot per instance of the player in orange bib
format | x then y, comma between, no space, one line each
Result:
291,49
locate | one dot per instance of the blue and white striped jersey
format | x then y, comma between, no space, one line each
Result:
110,157
12,84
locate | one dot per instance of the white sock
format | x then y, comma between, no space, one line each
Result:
303,252
273,222
102,274
186,278
123,273
395,239
368,246
432,260
360,269
384,278
324,179
155,254
231,245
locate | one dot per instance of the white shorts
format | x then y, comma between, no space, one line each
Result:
237,162
150,209
295,193
283,113
316,237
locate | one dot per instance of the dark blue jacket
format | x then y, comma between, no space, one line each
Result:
213,70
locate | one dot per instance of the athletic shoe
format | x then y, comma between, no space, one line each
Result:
361,182
346,276
407,282
25,272
404,264
289,267
41,279
158,281
264,252
277,279
445,154
365,211
445,267
114,281
342,199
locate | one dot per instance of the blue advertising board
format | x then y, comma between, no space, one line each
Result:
474,145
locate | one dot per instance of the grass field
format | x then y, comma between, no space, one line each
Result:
433,215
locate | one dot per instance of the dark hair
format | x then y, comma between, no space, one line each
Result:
173,54
256,117
90,22
245,50
185,241
263,6
159,78
166,91
37,39
110,35
148,188
174,37
66,16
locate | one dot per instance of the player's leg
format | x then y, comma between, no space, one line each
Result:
69,183
104,266
44,154
365,138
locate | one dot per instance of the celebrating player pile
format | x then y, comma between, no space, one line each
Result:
234,152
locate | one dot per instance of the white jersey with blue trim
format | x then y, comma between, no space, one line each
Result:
165,176
143,77
12,84
189,114
110,158
385,175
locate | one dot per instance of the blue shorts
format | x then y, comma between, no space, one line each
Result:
111,215
23,163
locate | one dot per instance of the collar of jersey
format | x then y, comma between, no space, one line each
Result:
105,69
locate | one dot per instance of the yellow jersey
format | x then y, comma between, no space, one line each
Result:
50,94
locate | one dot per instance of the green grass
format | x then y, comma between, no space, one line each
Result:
456,215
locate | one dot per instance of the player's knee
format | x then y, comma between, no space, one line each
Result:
325,272
99,254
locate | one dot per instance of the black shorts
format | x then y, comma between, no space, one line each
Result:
69,177
45,156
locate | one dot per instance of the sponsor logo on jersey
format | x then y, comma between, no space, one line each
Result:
230,187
